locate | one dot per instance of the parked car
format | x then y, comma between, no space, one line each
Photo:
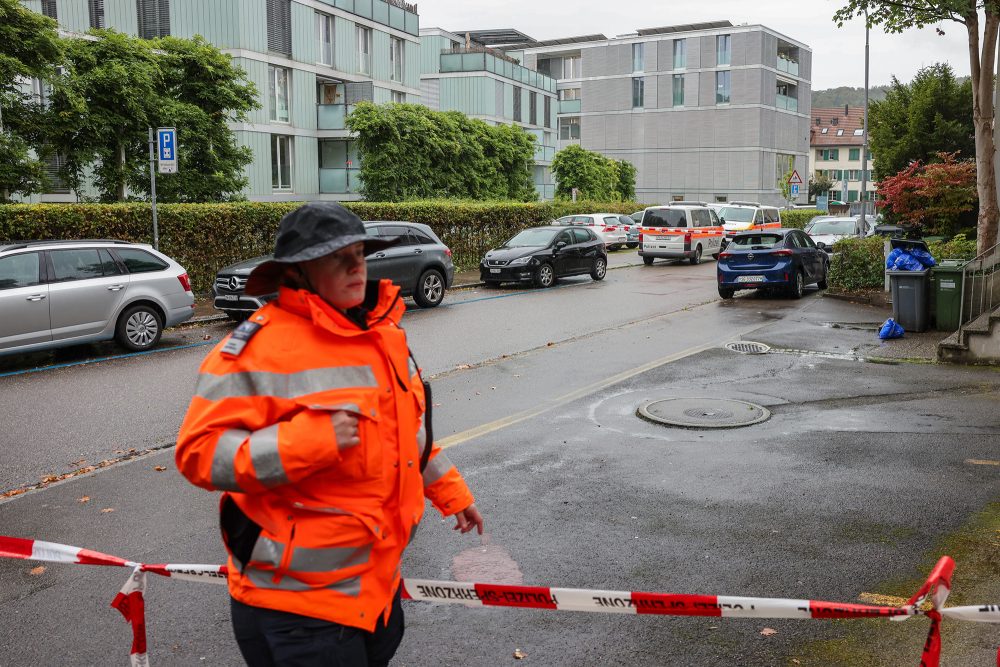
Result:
775,259
60,293
739,216
680,230
421,266
607,227
631,228
542,255
825,231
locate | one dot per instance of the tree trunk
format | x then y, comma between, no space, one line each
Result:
982,69
120,186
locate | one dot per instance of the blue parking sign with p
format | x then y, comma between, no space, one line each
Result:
166,153
795,189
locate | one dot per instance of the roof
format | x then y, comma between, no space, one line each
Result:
496,37
557,42
842,129
19,245
688,27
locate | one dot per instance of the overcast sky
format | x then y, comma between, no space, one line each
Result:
838,53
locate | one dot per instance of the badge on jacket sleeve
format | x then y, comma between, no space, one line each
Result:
240,337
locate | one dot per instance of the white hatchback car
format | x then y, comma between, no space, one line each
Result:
60,293
607,226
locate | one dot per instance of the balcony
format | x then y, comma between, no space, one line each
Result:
339,181
544,153
569,106
786,102
333,116
483,60
787,65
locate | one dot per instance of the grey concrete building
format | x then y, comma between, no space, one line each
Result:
710,111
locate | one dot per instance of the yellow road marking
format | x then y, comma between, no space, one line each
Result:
485,429
982,462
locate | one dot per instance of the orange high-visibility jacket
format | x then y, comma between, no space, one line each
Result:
334,520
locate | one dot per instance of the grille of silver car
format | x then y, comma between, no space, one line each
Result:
496,262
225,283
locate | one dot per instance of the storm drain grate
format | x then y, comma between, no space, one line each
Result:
703,412
747,347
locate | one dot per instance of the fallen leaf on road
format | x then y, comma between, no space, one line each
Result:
767,632
77,463
462,367
549,344
35,571
85,499
159,468
206,338
519,654
107,509
795,661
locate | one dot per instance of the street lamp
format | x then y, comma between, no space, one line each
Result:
864,146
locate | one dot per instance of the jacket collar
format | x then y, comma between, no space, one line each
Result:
382,304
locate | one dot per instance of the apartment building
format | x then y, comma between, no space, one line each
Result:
458,73
836,141
709,111
311,60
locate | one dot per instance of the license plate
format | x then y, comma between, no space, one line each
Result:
662,238
494,270
749,279
230,297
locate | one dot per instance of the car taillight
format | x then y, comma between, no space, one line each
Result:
782,253
724,255
610,229
447,251
185,282
687,237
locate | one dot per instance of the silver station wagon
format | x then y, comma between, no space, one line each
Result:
60,293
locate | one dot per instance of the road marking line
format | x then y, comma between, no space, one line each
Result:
485,429
982,462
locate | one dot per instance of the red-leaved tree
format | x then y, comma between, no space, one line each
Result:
938,198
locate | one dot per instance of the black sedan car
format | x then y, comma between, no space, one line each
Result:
421,265
541,255
773,259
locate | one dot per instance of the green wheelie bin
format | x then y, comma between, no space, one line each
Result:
948,278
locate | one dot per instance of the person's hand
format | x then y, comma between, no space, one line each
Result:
468,519
345,429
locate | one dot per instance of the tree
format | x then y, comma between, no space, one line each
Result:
29,48
784,183
937,198
625,186
819,184
895,16
408,151
930,115
593,175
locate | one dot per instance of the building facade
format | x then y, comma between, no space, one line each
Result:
486,83
710,112
837,137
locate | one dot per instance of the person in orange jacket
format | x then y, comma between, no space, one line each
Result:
312,418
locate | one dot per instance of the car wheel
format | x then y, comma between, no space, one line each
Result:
726,293
648,261
430,289
600,269
492,284
632,245
799,286
696,258
823,284
545,276
139,328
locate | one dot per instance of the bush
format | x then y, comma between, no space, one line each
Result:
207,237
958,247
858,264
798,218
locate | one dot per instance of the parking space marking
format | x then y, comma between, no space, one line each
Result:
982,462
83,362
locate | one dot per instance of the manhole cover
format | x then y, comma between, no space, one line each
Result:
703,412
747,347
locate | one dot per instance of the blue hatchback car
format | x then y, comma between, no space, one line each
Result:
774,259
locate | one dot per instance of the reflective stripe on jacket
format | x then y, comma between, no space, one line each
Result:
334,519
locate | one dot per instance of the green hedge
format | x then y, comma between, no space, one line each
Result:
858,265
207,237
799,217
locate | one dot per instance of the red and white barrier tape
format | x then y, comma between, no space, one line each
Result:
130,603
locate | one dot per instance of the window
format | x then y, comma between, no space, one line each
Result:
859,132
824,130
110,265
637,58
324,35
678,90
838,174
281,162
723,49
722,87
547,120
701,218
638,91
96,10
54,162
569,94
854,154
517,103
76,264
569,128
533,108
364,50
396,58
49,9
154,18
828,154
278,89
680,54
398,97
665,217
279,26
22,270
571,68
582,235
140,261
840,133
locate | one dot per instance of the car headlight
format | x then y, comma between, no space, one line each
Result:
520,261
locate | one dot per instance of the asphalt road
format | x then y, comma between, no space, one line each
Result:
853,481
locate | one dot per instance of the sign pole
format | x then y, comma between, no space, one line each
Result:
152,188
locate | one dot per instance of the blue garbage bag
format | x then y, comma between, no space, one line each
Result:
907,262
890,329
894,255
924,257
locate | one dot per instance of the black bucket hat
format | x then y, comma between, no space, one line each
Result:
311,231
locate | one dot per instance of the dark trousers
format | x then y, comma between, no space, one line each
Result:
269,638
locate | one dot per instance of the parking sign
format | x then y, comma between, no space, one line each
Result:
795,189
166,150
